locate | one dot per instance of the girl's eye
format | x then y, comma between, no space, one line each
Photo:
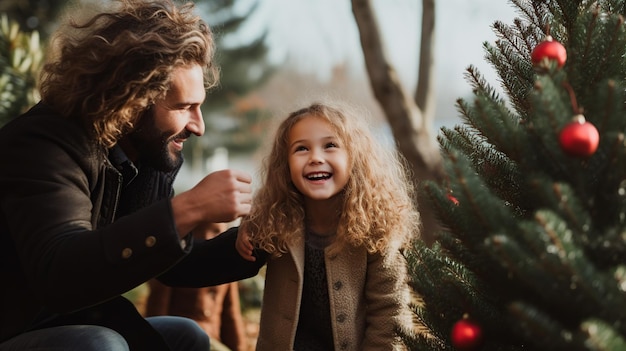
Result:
329,145
300,148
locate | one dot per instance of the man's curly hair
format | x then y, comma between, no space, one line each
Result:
111,66
378,209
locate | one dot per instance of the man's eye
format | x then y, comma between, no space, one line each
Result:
185,107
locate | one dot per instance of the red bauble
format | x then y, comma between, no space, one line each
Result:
453,199
466,335
579,138
548,50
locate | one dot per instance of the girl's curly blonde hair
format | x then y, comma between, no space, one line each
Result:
378,200
109,68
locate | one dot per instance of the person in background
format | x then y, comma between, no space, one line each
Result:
216,309
334,213
87,209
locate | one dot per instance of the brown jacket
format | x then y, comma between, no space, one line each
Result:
216,309
368,299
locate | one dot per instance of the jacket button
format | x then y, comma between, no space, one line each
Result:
344,345
150,241
341,318
127,252
337,285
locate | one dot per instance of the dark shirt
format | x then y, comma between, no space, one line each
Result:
314,331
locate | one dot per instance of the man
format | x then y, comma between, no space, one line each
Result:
87,210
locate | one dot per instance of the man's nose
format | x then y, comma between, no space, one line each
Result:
196,122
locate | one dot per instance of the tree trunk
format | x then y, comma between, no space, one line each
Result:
410,118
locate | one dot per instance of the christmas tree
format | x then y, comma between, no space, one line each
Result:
533,251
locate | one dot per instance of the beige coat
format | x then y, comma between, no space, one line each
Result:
367,293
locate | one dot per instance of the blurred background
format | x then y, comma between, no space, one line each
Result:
279,55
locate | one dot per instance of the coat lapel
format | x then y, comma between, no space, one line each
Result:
297,253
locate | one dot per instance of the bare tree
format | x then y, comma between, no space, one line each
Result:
410,116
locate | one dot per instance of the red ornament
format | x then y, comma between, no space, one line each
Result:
549,49
466,335
579,138
453,199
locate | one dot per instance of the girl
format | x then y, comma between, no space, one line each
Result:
333,214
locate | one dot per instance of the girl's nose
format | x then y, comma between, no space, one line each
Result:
316,156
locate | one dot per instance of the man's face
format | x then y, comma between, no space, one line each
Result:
159,136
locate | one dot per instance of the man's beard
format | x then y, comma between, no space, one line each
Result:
152,145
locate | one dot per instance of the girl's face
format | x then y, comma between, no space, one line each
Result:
318,161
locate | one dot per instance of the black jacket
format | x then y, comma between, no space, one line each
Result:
67,253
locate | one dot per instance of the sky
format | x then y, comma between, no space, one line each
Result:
319,34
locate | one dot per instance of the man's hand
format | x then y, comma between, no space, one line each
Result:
221,196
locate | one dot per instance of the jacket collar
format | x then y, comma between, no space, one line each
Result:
123,164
